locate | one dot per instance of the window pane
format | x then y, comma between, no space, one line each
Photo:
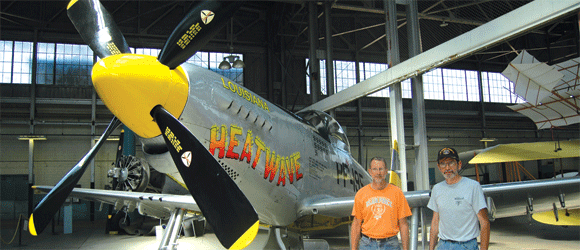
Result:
368,70
472,86
498,88
345,75
433,85
22,63
73,65
45,63
454,85
200,59
234,74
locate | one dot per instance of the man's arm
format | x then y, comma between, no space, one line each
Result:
404,228
485,227
434,231
355,232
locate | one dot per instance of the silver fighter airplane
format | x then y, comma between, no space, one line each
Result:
244,160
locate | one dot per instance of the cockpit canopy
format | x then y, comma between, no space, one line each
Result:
327,127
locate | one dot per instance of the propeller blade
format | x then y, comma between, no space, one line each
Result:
97,27
195,30
223,204
44,212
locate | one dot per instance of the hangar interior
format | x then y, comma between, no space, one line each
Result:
46,86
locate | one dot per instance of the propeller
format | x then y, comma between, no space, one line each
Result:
162,95
97,28
223,204
44,212
195,30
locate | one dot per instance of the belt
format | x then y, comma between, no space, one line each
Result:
378,240
458,242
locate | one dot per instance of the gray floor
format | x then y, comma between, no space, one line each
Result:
507,233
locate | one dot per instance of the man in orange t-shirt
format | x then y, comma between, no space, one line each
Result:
380,211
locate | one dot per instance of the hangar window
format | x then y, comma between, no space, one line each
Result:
327,127
74,63
71,64
16,59
209,60
438,83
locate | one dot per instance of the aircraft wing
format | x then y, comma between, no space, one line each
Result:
342,207
504,200
156,205
528,152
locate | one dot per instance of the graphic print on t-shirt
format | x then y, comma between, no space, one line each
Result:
377,205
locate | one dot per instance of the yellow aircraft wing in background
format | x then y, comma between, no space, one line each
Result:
565,217
528,152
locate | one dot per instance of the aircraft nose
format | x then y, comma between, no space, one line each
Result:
131,85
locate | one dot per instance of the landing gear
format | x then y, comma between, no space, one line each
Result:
281,238
169,240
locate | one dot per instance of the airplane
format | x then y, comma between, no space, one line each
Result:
245,161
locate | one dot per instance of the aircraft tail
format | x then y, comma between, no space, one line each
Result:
395,164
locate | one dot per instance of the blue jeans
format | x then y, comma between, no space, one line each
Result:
455,245
391,243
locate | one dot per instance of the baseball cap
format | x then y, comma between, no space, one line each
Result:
447,153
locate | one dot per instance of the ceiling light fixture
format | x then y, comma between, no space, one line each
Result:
32,137
487,139
380,139
437,139
231,60
443,24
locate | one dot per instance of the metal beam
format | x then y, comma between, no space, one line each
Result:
477,39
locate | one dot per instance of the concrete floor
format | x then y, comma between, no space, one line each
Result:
507,233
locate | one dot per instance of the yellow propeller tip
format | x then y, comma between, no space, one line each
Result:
71,3
31,227
247,237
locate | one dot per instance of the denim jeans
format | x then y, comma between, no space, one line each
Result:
454,245
391,243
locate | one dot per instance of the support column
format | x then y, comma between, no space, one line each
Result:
395,92
30,176
329,53
482,104
313,40
421,167
361,159
414,235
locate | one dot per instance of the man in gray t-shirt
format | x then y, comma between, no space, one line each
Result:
459,208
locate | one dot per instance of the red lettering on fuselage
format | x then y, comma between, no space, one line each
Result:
286,167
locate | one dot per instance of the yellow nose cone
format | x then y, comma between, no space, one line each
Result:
131,85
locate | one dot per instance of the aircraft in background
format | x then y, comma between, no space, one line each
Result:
552,93
245,161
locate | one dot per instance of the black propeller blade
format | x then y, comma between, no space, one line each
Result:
46,209
97,28
223,204
195,30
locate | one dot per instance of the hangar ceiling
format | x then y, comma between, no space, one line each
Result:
282,26
356,26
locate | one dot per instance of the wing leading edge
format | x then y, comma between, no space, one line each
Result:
155,205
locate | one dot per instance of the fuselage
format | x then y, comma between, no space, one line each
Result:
278,159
